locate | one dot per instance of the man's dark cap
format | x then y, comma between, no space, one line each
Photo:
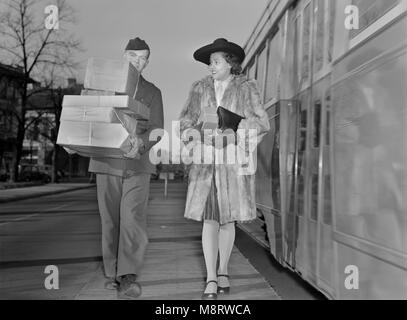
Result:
137,44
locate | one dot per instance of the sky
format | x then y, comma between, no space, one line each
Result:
174,29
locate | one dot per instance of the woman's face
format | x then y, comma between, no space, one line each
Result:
219,68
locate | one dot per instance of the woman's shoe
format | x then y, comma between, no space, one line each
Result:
224,290
212,295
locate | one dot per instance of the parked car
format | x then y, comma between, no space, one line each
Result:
34,173
4,176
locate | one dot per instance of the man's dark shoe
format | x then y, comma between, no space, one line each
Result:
129,288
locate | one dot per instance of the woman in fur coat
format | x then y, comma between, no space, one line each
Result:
221,192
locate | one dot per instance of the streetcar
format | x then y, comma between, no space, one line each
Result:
331,179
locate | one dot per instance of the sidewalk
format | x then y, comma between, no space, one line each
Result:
175,268
8,195
67,233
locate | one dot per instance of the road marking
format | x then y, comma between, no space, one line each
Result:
33,214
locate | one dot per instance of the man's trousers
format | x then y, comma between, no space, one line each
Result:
123,210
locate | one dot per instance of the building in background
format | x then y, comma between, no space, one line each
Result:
38,147
11,79
44,112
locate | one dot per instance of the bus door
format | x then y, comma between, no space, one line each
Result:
317,244
293,141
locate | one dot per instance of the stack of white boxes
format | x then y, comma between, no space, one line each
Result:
101,120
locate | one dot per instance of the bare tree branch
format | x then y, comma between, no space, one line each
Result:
35,119
11,51
41,53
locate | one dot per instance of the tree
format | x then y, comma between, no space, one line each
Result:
51,101
39,49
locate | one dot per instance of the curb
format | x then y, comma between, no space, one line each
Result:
46,193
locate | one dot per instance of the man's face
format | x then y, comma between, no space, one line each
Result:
138,58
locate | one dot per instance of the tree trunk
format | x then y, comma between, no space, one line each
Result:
54,177
18,151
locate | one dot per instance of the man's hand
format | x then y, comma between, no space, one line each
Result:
142,126
69,151
137,146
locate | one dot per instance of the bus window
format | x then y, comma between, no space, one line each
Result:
319,35
261,67
297,56
272,76
306,41
314,196
328,119
302,144
332,12
317,123
370,11
327,198
251,70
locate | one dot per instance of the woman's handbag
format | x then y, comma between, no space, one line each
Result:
228,119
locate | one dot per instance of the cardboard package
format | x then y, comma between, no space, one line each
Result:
100,122
138,109
90,92
95,139
111,75
90,114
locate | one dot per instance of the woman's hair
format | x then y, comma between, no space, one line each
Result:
234,62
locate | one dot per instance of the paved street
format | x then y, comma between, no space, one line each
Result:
62,230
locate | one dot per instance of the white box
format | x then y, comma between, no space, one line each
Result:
111,75
95,139
90,114
106,135
90,92
134,106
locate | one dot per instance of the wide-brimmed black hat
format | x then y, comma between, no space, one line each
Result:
203,54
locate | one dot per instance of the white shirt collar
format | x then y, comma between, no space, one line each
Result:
220,87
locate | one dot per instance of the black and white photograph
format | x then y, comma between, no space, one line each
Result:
203,157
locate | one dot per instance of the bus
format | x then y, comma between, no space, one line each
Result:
331,181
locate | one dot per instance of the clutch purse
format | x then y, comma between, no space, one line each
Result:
228,119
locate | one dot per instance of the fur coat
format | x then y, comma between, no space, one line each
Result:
235,181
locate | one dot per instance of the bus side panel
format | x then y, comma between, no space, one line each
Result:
374,279
370,156
370,152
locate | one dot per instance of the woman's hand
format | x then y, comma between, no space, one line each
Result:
207,138
225,138
219,139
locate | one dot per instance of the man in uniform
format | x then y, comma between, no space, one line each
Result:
123,189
